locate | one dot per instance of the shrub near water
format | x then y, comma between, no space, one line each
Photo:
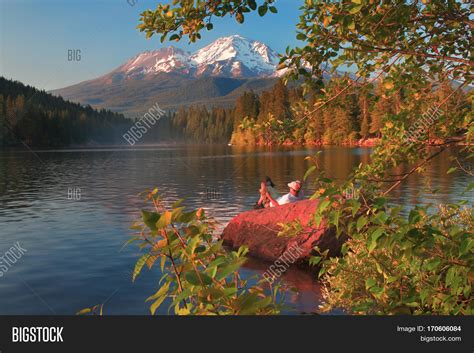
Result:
199,276
419,265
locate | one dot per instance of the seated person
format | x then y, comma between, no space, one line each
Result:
294,195
266,187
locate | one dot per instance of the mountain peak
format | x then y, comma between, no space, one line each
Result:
231,56
235,36
236,56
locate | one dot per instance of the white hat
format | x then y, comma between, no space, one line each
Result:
295,185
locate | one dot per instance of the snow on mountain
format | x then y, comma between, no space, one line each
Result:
237,56
150,62
233,56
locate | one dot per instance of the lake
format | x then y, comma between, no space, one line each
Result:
71,211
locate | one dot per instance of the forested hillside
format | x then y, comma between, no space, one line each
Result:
39,119
281,115
199,124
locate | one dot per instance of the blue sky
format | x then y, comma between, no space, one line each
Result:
35,36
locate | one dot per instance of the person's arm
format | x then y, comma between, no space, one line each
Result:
263,192
272,200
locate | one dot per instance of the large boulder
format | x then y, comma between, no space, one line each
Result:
258,230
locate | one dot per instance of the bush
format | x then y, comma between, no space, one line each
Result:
419,265
199,276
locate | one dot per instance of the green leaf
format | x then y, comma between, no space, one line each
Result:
450,276
187,217
273,9
322,271
156,304
323,205
355,9
129,241
229,269
195,280
139,265
317,219
150,218
376,291
392,279
374,237
309,171
423,295
162,263
355,206
218,261
192,244
451,170
466,246
183,295
165,220
380,202
433,264
160,292
301,36
262,10
361,222
369,283
314,260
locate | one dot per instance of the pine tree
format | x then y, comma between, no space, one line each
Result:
342,127
328,117
382,107
364,115
280,104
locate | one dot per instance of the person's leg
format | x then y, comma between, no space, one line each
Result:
263,193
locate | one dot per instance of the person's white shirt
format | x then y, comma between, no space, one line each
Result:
288,198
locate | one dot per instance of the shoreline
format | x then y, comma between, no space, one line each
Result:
369,142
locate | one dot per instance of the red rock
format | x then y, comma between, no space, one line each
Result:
258,229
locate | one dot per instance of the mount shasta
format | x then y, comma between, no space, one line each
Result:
214,75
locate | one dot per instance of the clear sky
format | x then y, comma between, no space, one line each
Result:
35,36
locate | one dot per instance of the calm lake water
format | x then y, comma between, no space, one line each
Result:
74,258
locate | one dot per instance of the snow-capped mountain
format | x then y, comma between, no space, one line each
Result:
151,62
214,75
233,56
